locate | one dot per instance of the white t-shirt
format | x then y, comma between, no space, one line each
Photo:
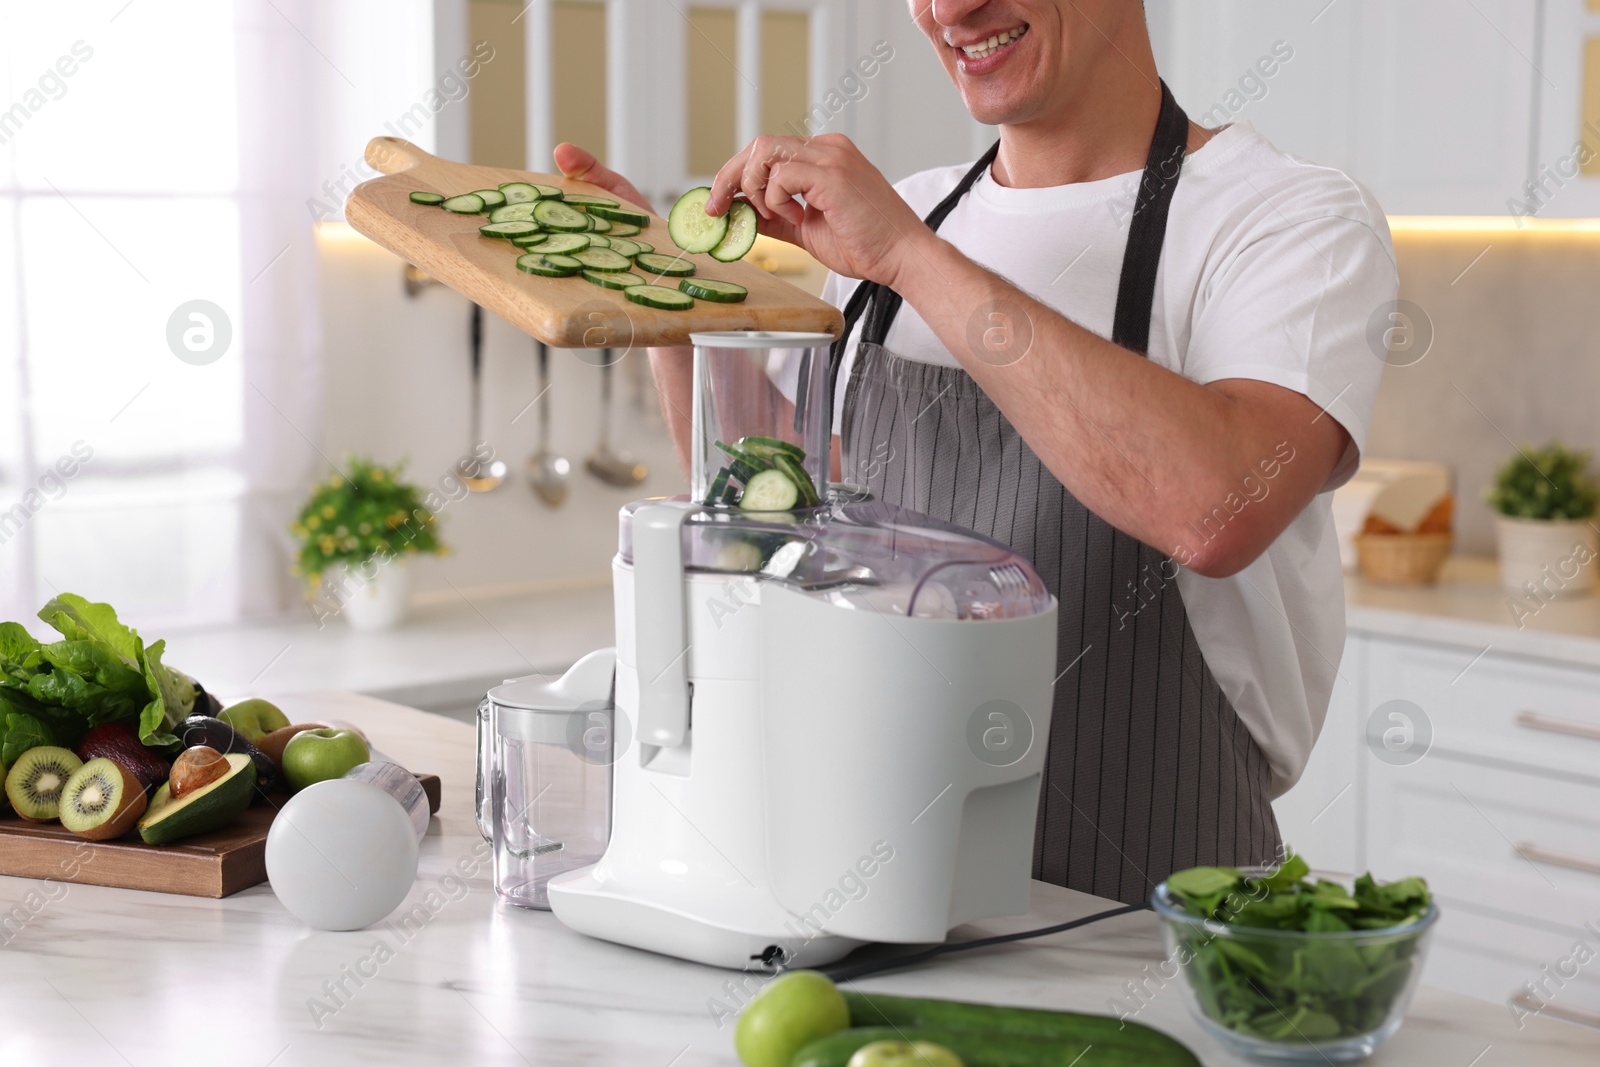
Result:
1272,269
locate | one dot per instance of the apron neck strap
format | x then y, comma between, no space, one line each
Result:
1147,230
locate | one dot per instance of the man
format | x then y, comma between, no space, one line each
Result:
1135,350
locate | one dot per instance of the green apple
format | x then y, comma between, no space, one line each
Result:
791,1012
904,1054
253,719
317,755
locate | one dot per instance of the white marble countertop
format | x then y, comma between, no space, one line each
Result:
1469,608
94,975
453,647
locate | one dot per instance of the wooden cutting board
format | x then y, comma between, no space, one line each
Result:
563,312
208,865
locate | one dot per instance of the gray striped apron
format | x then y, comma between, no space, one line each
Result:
1149,769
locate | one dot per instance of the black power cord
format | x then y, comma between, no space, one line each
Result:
844,971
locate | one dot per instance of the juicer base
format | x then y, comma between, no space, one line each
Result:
628,918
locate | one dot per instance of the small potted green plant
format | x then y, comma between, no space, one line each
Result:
1545,501
356,534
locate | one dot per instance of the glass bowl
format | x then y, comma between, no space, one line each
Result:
1289,996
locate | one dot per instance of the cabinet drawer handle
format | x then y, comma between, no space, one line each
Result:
1534,721
1522,999
1536,854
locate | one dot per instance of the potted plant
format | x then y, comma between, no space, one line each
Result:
1545,499
356,533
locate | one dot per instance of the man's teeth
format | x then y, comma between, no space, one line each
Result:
986,48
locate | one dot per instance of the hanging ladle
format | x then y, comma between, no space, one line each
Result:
478,473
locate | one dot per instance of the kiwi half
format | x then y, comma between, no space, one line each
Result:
35,783
101,800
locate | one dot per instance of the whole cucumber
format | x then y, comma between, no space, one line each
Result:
975,1050
879,1010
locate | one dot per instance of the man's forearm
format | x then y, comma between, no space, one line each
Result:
1143,447
674,374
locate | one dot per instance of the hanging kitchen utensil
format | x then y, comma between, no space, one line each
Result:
479,472
547,472
614,468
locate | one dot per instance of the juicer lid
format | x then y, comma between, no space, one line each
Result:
858,552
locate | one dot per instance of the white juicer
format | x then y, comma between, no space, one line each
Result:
838,713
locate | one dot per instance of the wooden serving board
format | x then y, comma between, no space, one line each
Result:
209,865
563,312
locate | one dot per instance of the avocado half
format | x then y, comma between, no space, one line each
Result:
211,807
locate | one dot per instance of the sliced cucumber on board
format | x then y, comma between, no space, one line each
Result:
533,263
741,236
603,259
671,266
620,214
432,199
659,297
548,192
717,292
530,240
507,230
597,240
519,192
565,244
597,225
512,213
608,279
554,215
623,246
583,202
568,265
465,204
492,198
622,229
690,227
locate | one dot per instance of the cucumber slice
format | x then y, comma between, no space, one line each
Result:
599,241
619,214
741,236
554,215
690,227
564,244
671,266
533,263
770,491
431,199
644,246
717,292
465,204
719,485
512,213
657,296
770,446
608,279
603,259
548,192
623,246
567,264
751,461
530,240
507,230
622,229
519,192
786,463
492,198
583,203
599,225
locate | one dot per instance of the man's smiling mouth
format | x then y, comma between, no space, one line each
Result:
989,46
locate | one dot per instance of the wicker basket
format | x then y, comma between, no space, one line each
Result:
1403,559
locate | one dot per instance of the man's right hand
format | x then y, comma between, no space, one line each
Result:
575,162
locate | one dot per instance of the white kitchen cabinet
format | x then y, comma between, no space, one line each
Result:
1496,803
1571,28
1429,103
